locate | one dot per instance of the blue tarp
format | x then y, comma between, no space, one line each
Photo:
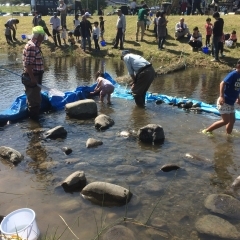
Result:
18,110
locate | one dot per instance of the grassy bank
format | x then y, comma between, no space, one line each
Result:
175,50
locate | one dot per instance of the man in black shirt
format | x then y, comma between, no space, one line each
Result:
217,35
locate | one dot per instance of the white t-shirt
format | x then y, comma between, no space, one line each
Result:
64,34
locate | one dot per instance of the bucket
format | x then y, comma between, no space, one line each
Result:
205,50
20,223
103,43
23,36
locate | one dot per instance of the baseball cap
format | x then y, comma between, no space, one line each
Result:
124,52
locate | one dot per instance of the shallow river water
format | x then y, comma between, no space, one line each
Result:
177,198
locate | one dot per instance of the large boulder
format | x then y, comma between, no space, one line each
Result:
119,232
103,122
75,181
82,109
11,155
223,204
57,132
216,227
151,133
106,194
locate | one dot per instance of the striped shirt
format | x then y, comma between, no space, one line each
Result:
32,56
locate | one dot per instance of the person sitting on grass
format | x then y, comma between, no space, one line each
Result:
196,39
229,94
181,29
233,37
104,86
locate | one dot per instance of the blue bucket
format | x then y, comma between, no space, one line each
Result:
24,36
103,43
205,50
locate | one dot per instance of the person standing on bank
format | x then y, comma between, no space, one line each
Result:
33,71
43,25
140,23
35,19
142,74
217,35
161,30
229,94
12,24
121,28
55,22
63,12
86,30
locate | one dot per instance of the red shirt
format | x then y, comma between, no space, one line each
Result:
208,28
32,55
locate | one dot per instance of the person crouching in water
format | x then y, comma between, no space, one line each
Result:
104,86
196,39
229,94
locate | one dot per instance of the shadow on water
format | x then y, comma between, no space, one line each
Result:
174,201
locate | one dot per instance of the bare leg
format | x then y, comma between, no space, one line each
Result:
224,121
229,126
101,98
109,98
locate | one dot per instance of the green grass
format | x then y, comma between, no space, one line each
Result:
148,48
12,9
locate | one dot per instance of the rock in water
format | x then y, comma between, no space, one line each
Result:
236,183
119,232
151,133
103,122
75,181
217,227
223,204
57,132
169,167
11,155
91,142
67,150
107,194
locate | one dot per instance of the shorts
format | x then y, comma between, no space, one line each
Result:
101,33
225,108
107,89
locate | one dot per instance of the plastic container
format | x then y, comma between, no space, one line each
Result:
103,43
205,50
20,223
24,36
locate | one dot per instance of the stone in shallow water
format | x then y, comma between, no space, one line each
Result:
223,204
92,142
217,227
111,194
103,122
119,232
11,155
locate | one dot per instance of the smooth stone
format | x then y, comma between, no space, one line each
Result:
103,122
236,183
92,142
169,167
151,133
67,150
72,160
75,181
48,165
119,232
158,223
11,155
156,234
223,204
82,109
57,132
217,227
126,169
106,194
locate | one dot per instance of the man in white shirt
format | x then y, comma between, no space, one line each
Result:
181,29
55,22
142,74
121,28
63,12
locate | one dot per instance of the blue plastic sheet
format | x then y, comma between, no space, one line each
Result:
18,110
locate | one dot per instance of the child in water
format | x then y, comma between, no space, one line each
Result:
104,86
229,94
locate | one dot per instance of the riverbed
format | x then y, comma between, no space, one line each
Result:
177,198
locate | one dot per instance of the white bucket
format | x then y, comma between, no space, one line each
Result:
20,223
